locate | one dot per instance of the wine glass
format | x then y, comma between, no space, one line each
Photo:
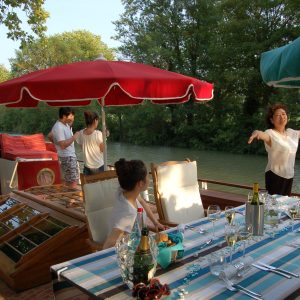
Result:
229,214
231,236
293,210
263,194
245,232
213,214
272,216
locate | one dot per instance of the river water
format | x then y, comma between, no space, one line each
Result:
214,165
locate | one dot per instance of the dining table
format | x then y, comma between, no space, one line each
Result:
97,275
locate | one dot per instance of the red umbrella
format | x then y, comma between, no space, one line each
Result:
110,82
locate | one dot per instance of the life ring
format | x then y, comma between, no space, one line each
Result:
45,176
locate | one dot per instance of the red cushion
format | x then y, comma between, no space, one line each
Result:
25,146
12,155
34,141
9,142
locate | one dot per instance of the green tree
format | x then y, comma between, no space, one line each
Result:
32,12
59,49
4,73
221,42
245,30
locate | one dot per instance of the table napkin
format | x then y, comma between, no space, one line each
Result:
164,257
232,270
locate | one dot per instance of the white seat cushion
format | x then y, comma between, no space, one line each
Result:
179,191
99,201
100,194
99,223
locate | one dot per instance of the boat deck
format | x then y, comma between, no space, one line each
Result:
42,292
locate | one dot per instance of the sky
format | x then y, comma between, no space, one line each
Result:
95,16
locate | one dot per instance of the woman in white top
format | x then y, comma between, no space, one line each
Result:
133,179
281,144
91,142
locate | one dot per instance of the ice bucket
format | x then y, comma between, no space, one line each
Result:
255,217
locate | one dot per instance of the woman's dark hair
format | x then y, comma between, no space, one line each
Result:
271,110
90,117
65,111
130,172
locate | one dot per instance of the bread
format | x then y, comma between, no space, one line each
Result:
162,237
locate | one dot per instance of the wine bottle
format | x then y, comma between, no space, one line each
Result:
255,195
143,261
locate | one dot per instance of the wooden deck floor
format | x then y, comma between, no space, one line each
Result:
42,292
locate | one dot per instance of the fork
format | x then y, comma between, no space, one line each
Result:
236,287
197,230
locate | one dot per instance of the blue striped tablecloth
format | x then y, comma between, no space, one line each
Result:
98,275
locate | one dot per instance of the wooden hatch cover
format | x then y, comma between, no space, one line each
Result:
32,238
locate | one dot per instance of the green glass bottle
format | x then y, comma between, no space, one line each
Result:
255,195
143,262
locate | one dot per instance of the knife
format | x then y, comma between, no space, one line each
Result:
271,270
278,269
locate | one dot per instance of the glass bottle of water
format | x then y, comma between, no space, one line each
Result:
135,235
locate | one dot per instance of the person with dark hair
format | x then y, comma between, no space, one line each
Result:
133,179
91,141
62,137
281,144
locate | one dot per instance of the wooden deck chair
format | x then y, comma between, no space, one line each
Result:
99,193
176,192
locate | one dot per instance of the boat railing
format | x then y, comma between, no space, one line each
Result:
203,183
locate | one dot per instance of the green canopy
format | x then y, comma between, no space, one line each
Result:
280,67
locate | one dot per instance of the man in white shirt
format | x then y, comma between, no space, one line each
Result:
62,137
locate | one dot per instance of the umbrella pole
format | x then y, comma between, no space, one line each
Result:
104,134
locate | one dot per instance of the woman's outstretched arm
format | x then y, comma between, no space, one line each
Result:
260,135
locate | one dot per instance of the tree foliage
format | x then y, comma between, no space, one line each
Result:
218,41
59,49
4,73
32,12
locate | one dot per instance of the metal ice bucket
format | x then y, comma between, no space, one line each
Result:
255,217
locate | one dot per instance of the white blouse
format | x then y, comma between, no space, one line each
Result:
92,155
124,213
282,153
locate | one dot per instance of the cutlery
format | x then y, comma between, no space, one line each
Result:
241,288
198,230
206,244
203,246
236,287
278,269
271,270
